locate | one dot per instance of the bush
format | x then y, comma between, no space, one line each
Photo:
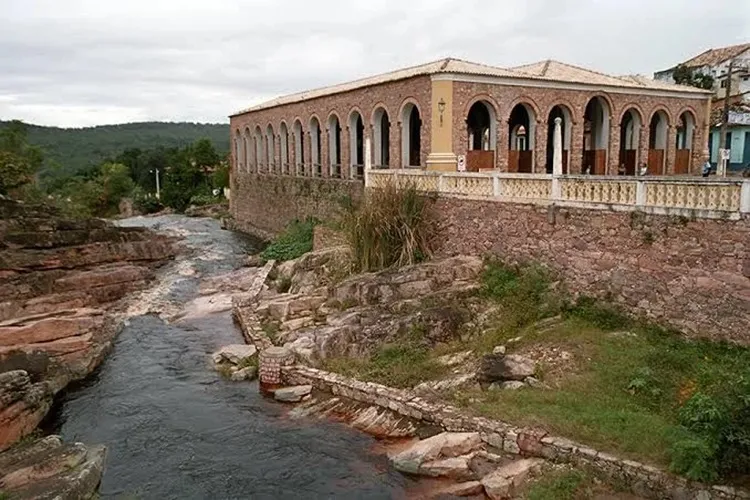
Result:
202,199
717,430
602,315
392,226
295,241
145,203
524,291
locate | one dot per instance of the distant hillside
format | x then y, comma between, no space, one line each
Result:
68,150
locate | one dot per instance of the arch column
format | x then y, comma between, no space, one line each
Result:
575,155
613,156
346,151
540,147
308,167
671,149
277,155
325,167
292,147
394,146
643,148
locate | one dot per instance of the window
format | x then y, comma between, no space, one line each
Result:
724,84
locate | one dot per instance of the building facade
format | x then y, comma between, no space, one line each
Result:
456,115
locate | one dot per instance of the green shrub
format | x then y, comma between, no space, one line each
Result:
717,442
523,291
295,241
203,199
391,226
145,203
600,314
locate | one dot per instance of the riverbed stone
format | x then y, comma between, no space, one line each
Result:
446,444
499,367
505,481
292,394
452,468
234,354
247,373
465,489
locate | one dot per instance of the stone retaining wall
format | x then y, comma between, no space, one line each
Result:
691,274
264,204
642,479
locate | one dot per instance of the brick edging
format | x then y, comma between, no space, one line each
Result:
641,479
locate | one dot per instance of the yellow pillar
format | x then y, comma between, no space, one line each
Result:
441,155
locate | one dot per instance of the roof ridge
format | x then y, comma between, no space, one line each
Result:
546,67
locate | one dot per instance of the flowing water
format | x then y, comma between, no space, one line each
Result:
175,429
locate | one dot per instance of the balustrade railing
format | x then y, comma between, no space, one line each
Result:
674,195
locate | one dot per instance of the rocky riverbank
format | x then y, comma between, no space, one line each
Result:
63,285
389,326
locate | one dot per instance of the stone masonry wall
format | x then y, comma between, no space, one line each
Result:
692,274
265,204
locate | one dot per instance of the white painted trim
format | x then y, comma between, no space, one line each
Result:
550,84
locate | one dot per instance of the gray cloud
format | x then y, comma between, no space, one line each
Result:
84,62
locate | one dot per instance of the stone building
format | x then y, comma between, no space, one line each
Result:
453,114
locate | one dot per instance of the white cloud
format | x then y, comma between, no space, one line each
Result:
80,62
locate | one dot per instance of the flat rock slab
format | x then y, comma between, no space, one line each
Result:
503,483
446,445
452,468
234,353
292,394
465,489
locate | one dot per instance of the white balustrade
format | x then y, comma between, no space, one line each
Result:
694,196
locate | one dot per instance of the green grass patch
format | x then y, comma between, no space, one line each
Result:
294,242
631,388
560,485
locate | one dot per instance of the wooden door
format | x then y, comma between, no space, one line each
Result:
525,161
655,161
595,161
628,159
477,159
682,162
565,162
513,160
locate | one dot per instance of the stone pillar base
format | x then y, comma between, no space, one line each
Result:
269,367
446,162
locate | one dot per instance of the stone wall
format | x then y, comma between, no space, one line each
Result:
692,274
265,204
642,479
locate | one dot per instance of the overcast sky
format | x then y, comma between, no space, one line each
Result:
88,62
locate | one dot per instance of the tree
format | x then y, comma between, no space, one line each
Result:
19,161
204,153
684,75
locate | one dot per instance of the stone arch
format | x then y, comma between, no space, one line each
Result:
381,135
410,119
481,125
665,113
528,102
487,99
522,123
247,152
685,141
632,106
238,141
284,147
299,146
333,125
565,113
356,126
631,124
658,133
316,155
259,149
604,97
270,148
597,116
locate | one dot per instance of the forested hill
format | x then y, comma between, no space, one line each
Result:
68,150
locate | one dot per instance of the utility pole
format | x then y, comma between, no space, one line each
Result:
724,121
158,190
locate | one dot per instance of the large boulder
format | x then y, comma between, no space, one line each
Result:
445,445
292,394
505,481
47,468
500,367
235,354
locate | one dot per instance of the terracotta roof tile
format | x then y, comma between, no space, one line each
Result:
712,57
549,70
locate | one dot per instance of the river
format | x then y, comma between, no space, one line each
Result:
175,429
